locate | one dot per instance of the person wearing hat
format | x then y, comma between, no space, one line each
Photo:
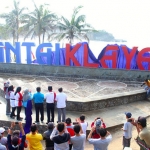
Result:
98,122
46,136
127,130
144,133
3,139
2,147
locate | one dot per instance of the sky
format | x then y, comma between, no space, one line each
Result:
125,19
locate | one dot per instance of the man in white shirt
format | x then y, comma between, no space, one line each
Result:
61,99
102,142
127,128
50,104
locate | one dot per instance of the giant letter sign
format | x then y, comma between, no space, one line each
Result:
112,57
129,56
28,48
16,51
1,52
141,59
70,55
86,55
40,54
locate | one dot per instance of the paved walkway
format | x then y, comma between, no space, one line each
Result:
112,116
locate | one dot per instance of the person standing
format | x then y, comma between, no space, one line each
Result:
60,137
50,104
46,136
143,138
3,139
6,86
12,101
14,141
102,142
39,107
79,139
18,102
2,147
127,130
34,138
26,97
83,123
61,99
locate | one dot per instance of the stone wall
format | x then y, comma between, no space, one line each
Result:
104,102
115,74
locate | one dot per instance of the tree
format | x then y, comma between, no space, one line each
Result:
4,35
39,22
13,20
76,28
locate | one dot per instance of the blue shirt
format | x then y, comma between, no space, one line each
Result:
38,97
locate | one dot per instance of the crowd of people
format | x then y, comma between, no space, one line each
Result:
16,99
70,135
65,135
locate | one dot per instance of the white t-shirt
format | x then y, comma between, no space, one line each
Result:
49,97
12,99
100,144
16,99
61,99
128,127
84,126
78,142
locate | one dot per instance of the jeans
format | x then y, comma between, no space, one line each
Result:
61,112
50,111
147,90
39,109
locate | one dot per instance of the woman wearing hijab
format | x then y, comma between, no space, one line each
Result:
18,102
27,103
26,97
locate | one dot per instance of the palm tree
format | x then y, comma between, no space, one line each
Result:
39,22
76,28
13,20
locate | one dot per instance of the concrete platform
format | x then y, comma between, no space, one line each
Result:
112,116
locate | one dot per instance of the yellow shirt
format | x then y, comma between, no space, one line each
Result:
148,83
34,141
